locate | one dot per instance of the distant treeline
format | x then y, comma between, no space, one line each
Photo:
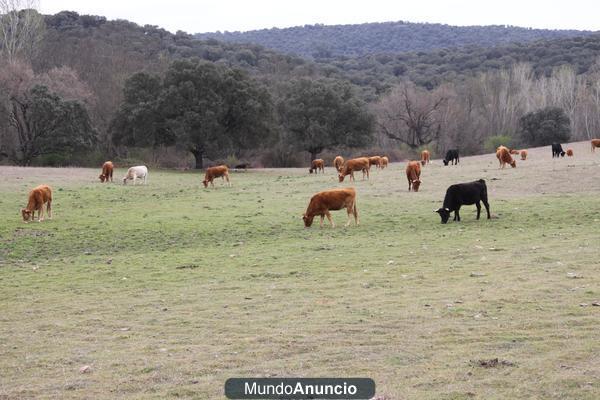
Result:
83,89
358,40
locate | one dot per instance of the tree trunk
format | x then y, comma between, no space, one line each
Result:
198,156
313,154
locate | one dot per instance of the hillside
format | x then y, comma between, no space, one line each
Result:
318,41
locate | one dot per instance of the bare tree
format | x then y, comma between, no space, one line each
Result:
21,28
410,115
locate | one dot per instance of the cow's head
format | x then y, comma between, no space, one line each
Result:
562,153
423,162
310,170
102,178
513,163
308,220
445,162
415,185
341,177
26,214
125,180
205,183
444,214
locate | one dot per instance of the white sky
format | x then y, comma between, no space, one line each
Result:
232,15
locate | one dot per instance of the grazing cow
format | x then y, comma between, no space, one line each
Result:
355,164
425,157
37,198
338,163
557,150
335,199
504,157
464,194
451,155
243,166
570,152
317,165
384,162
595,143
413,174
135,173
523,155
107,172
216,172
376,161
513,151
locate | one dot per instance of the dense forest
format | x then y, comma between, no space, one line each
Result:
326,41
78,89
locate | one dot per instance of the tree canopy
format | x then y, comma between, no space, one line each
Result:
320,114
545,126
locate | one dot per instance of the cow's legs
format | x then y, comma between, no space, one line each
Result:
49,209
478,205
321,224
487,207
367,174
352,175
328,215
457,215
41,214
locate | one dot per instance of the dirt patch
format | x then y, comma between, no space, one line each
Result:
492,363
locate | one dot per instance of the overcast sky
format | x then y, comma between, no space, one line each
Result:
238,15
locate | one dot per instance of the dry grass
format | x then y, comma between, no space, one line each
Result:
168,290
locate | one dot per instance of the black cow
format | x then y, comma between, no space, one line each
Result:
451,155
464,194
557,150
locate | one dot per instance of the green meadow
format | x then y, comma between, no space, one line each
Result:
169,289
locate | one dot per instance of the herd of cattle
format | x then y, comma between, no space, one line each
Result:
335,199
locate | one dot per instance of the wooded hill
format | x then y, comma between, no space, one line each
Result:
325,41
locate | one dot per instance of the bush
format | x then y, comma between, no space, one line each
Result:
493,142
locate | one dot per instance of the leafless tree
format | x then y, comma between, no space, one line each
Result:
410,115
21,29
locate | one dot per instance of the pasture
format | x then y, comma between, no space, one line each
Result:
167,290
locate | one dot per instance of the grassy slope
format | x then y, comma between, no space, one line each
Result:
170,289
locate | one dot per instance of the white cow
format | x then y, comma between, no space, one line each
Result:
141,171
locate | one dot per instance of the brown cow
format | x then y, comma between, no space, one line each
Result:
504,157
338,163
215,172
356,164
376,161
413,174
523,155
334,199
317,165
37,197
425,157
570,152
107,172
595,143
513,152
384,162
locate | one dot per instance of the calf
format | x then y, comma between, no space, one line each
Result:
413,174
317,165
595,143
107,172
504,157
570,152
335,199
557,150
464,194
356,164
425,157
523,155
451,156
38,196
216,172
384,162
376,161
338,163
135,173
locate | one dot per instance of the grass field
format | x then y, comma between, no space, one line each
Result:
167,290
